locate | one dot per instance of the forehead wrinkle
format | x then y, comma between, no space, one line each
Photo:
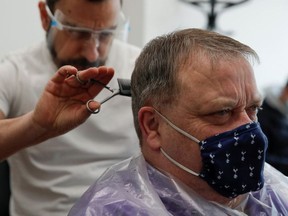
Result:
221,88
235,87
251,94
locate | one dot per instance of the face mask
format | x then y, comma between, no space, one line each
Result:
233,161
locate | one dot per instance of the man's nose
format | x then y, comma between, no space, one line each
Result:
90,49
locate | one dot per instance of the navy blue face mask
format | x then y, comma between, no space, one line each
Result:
233,161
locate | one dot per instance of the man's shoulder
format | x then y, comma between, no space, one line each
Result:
124,188
23,56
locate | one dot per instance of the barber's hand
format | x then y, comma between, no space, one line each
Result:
62,105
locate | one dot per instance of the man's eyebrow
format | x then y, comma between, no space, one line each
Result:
258,99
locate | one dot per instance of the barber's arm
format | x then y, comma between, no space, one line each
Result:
61,107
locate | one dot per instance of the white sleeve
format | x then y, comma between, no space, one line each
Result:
15,90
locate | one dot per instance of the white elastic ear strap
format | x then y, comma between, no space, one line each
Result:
183,133
178,164
176,128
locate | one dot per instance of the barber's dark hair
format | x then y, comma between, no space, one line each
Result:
154,80
51,3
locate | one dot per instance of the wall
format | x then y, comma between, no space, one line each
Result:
258,23
19,24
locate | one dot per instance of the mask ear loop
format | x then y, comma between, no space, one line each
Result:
178,164
183,133
176,128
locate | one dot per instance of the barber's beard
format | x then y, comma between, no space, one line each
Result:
80,63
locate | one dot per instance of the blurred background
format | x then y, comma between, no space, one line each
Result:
260,24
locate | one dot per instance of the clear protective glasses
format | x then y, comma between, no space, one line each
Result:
102,36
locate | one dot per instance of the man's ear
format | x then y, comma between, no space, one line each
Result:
45,20
149,126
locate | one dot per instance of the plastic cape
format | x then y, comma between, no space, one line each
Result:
134,188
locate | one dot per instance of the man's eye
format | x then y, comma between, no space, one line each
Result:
253,111
255,108
223,112
79,34
105,35
74,33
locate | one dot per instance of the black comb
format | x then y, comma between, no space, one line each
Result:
124,89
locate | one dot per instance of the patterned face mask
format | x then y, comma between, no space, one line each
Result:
233,161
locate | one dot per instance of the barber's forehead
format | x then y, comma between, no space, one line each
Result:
88,6
90,13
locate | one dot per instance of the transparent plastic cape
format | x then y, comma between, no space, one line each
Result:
133,187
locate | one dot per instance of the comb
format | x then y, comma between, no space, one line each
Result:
124,89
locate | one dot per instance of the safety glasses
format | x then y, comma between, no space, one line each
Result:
82,33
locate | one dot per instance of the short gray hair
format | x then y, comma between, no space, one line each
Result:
154,79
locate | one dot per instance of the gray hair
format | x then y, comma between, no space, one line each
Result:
154,79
